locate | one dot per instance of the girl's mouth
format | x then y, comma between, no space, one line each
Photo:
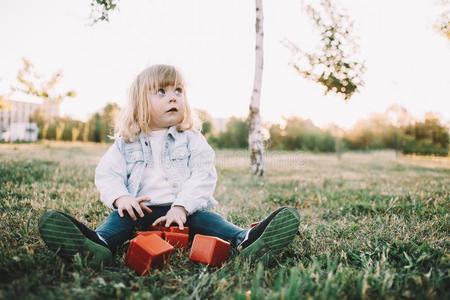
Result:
172,109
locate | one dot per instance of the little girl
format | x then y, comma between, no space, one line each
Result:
160,169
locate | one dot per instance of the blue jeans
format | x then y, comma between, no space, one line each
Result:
116,230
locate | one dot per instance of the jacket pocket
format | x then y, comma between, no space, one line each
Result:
133,156
180,159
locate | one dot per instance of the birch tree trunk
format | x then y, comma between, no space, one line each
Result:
255,138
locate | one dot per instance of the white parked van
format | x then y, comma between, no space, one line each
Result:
26,132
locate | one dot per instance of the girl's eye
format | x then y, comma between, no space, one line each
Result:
161,92
178,91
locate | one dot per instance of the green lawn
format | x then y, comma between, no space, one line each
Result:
373,226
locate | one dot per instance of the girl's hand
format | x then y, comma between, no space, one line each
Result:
175,214
127,203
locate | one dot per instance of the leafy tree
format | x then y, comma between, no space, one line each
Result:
302,134
29,82
101,125
399,117
109,115
429,137
40,117
276,137
206,119
235,135
443,22
337,133
372,133
97,133
100,9
60,125
85,132
335,65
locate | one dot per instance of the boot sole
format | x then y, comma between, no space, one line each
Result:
64,238
278,234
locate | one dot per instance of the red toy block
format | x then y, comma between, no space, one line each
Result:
178,240
158,233
209,250
177,229
146,252
170,229
156,228
254,224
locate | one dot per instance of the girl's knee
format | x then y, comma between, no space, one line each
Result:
202,218
200,215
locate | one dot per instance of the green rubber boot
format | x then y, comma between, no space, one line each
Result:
67,237
271,236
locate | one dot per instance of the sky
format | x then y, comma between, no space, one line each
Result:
212,43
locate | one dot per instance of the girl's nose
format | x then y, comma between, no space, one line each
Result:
172,96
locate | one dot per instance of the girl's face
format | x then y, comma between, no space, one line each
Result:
167,107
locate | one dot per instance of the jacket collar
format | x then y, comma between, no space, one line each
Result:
172,131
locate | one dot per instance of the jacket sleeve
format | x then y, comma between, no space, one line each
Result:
199,188
111,176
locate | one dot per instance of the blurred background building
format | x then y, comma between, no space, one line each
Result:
15,120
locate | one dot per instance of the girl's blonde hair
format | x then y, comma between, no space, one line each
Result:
134,118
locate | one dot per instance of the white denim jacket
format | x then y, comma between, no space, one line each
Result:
188,163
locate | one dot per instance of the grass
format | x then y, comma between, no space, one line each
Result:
373,227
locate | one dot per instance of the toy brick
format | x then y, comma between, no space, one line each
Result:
156,228
170,229
178,230
158,233
178,240
146,252
209,250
